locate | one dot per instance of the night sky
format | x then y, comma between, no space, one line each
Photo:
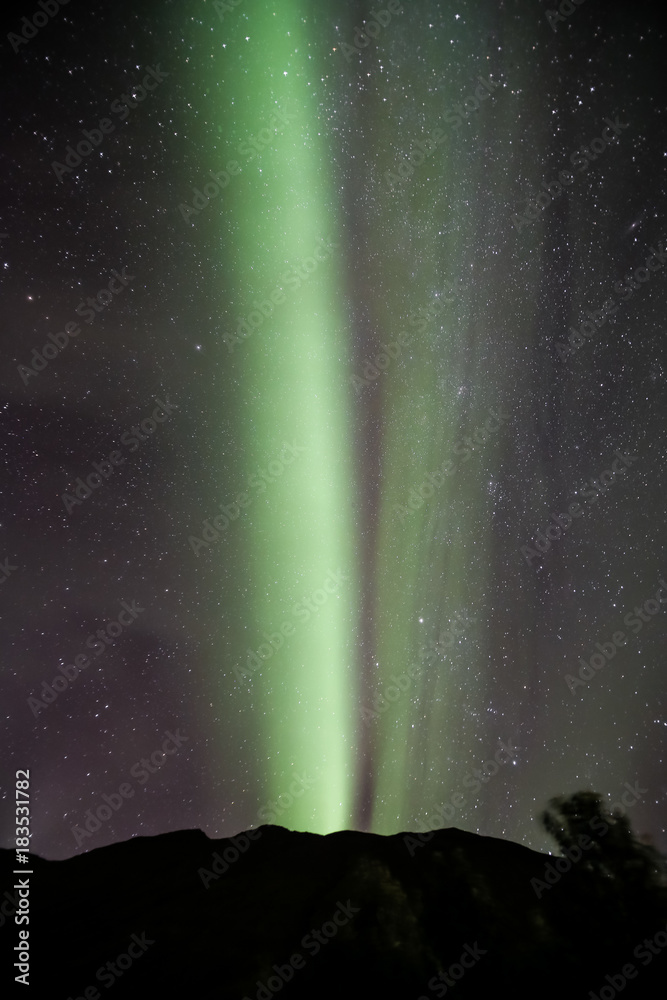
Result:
333,416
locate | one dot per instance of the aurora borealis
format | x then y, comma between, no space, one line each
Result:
405,304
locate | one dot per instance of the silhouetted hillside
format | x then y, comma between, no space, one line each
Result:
273,912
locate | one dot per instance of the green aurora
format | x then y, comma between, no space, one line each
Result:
325,173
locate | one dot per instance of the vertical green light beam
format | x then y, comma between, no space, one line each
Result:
293,372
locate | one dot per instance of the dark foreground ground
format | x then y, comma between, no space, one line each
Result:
276,913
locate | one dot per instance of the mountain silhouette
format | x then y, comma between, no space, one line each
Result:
271,912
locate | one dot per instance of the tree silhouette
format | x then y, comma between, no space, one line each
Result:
617,883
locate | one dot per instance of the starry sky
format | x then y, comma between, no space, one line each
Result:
333,416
